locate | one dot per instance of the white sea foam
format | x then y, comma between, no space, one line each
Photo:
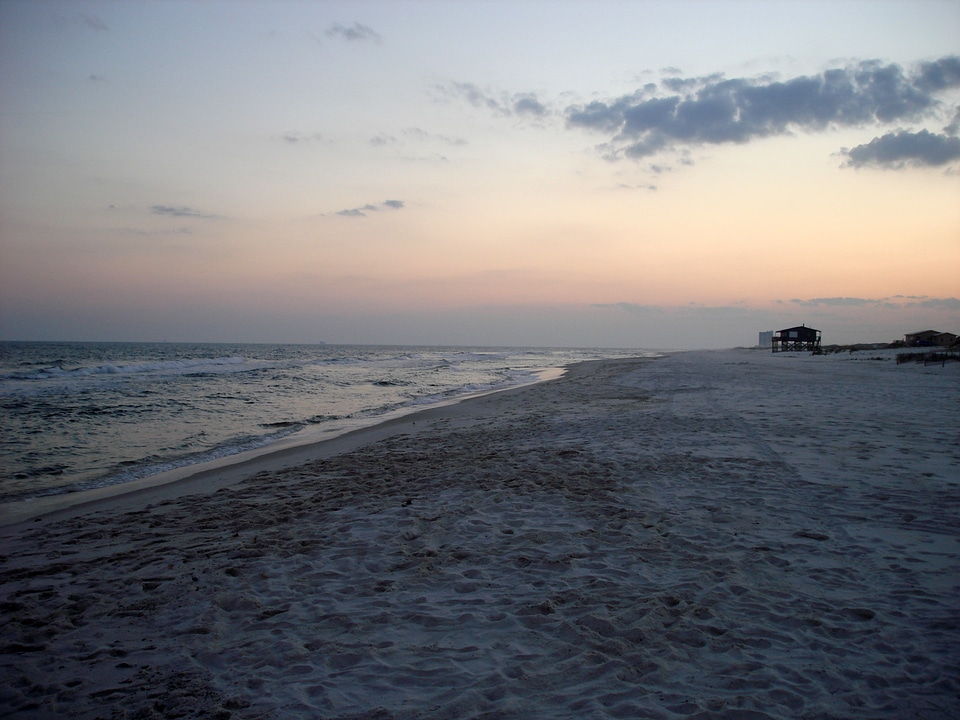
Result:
169,366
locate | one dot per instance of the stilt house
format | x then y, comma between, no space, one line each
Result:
796,339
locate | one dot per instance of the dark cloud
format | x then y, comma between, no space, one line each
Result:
897,149
529,105
369,208
954,127
172,211
354,32
939,75
684,112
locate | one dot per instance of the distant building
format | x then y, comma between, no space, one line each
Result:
929,338
796,339
766,339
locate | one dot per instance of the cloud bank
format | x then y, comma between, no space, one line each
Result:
682,113
685,112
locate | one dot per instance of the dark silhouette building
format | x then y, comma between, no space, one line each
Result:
796,339
929,338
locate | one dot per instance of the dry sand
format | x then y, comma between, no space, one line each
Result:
731,534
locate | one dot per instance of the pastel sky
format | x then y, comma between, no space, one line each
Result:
621,174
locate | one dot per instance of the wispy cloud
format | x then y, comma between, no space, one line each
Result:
182,211
631,307
687,309
500,103
93,22
649,187
419,134
894,302
358,211
154,233
364,210
837,301
292,137
416,136
84,20
353,33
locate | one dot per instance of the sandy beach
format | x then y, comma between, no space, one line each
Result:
729,534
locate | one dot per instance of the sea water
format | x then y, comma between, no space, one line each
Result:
75,416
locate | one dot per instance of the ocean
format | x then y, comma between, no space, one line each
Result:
81,415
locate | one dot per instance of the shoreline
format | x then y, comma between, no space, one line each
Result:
721,534
121,413
230,469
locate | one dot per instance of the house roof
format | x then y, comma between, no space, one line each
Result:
799,327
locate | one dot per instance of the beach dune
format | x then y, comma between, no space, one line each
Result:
726,534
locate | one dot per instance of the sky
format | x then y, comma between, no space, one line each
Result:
644,174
